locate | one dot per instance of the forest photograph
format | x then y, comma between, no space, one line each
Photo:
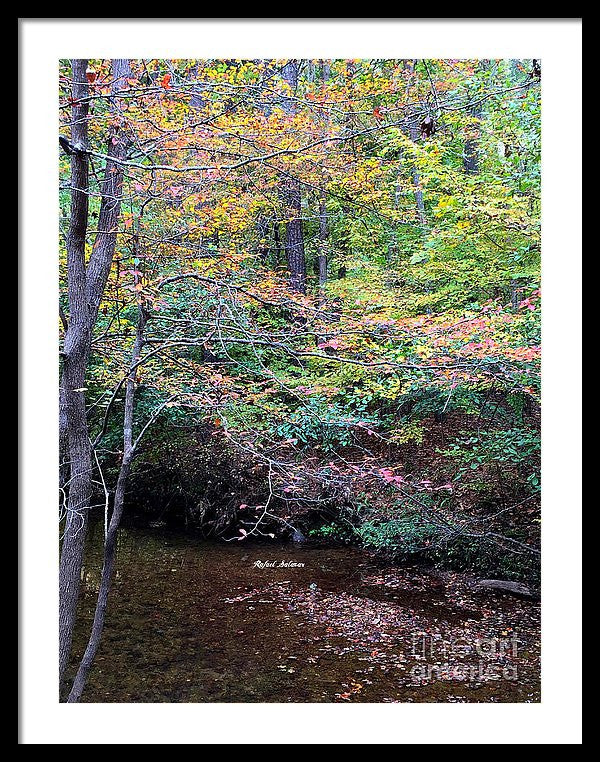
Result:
299,390
300,303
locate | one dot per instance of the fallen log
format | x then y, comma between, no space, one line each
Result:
506,586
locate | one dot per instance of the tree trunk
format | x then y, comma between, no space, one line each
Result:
294,237
86,286
413,133
115,520
323,246
262,229
75,358
323,242
292,198
470,157
416,177
276,241
110,208
470,151
392,249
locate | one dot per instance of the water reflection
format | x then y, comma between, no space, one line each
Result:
190,621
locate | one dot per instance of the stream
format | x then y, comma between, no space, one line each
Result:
192,621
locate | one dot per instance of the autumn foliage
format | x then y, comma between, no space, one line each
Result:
394,401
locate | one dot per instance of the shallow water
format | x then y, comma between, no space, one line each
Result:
190,621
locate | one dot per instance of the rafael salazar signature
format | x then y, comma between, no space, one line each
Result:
278,564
